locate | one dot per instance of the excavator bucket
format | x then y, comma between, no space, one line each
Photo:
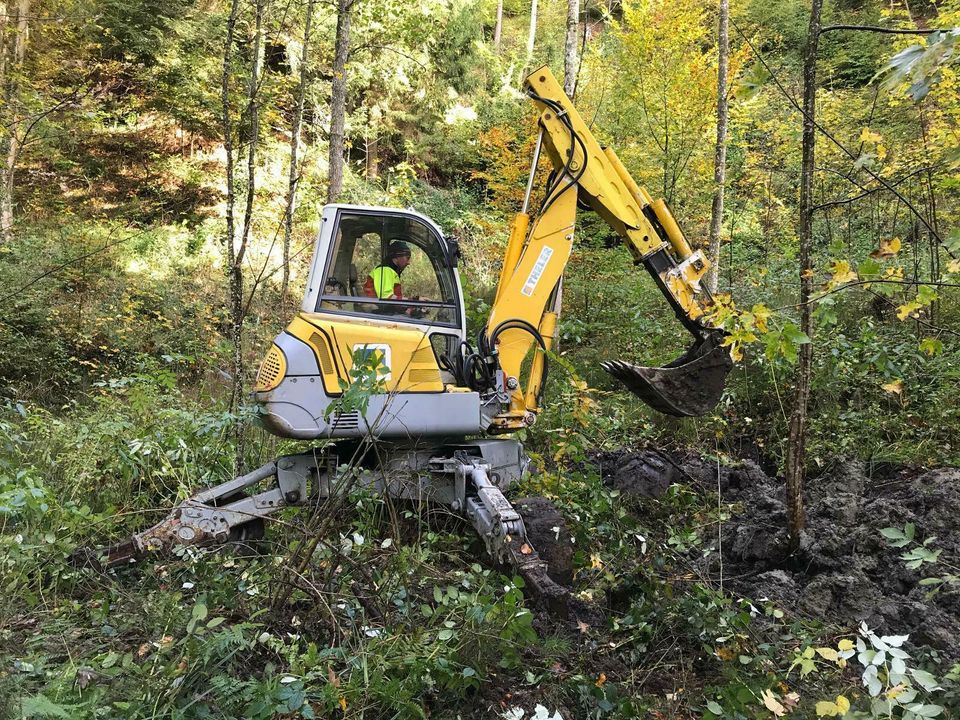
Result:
690,385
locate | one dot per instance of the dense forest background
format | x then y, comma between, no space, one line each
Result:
163,169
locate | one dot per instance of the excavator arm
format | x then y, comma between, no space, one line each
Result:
527,304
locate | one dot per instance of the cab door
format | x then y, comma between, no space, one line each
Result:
412,328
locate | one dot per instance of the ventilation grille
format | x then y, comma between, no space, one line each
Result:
424,376
323,352
423,367
346,421
272,370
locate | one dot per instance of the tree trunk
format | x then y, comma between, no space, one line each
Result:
294,177
12,63
498,28
797,432
338,99
373,158
532,35
234,278
720,153
570,48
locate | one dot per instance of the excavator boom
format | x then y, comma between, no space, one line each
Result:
530,288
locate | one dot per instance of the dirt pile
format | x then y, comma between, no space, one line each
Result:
845,570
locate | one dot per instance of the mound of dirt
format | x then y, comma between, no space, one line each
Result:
845,571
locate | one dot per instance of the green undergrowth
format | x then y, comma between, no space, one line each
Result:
397,613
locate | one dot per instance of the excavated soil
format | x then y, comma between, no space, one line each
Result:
845,571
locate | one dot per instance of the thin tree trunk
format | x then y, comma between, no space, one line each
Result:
720,153
338,99
229,240
570,48
294,178
12,64
373,158
498,28
236,270
797,432
532,35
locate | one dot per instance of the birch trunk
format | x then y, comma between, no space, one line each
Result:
532,35
338,100
294,177
720,153
12,63
570,47
498,28
797,431
373,158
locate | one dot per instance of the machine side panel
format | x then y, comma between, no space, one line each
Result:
296,408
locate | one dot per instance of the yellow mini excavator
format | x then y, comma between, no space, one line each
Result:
384,292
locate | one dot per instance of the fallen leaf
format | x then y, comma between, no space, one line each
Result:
601,679
582,626
143,649
725,652
332,677
772,704
525,549
894,388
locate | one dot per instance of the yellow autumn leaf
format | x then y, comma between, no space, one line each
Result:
953,266
825,708
895,691
760,316
887,249
907,310
806,274
725,652
842,273
837,708
828,654
343,703
601,679
894,388
868,136
595,562
845,644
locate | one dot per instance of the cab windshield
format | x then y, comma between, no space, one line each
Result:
388,265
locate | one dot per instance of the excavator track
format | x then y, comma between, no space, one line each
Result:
234,512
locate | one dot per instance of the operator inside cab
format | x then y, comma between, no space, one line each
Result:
383,282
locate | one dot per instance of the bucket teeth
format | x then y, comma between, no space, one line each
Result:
690,385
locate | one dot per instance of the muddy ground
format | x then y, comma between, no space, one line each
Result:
845,571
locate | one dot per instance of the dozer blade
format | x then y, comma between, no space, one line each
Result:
690,385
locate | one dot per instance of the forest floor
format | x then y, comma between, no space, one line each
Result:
672,614
845,570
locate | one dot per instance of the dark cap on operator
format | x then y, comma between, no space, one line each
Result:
398,248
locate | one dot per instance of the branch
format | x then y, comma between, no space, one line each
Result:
857,283
843,148
878,29
68,263
867,192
